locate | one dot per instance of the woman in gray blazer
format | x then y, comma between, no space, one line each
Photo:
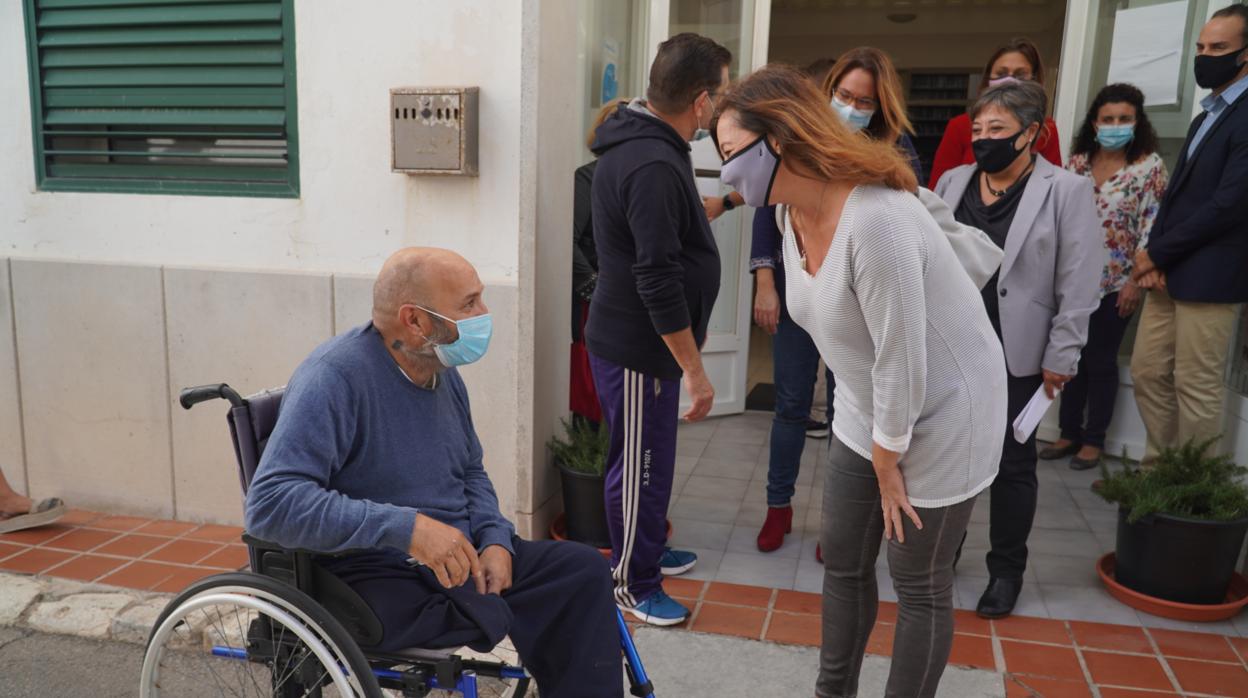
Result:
1045,220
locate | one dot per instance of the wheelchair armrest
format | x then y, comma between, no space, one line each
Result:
259,544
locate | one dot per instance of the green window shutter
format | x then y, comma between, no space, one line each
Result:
175,96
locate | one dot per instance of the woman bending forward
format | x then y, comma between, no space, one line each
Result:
921,387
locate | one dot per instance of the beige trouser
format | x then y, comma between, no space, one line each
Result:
1177,365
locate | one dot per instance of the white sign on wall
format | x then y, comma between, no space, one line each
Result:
1148,50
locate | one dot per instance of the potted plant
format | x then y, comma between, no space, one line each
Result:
581,457
1181,524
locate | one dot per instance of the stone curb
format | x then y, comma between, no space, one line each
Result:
102,612
66,607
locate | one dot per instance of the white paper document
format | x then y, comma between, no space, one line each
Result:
1026,422
1147,50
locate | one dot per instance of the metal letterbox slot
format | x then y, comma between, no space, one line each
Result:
434,130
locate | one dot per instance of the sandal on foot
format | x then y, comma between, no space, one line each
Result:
42,513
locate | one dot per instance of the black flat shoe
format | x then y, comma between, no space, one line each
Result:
1055,453
999,598
1078,463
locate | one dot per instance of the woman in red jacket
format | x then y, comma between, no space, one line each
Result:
1017,60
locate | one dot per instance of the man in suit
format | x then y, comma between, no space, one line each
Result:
1196,261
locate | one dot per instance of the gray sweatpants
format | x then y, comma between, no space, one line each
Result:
922,572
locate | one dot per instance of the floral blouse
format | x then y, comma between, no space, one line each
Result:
1127,205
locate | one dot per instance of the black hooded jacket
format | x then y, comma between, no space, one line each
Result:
658,264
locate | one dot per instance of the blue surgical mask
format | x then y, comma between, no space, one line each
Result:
699,133
751,171
1115,137
474,339
856,119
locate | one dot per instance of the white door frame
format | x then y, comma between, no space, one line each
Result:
726,356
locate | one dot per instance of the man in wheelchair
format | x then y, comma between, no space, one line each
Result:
375,455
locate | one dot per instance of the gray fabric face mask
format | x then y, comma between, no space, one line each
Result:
752,171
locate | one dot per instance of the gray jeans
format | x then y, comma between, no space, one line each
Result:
922,572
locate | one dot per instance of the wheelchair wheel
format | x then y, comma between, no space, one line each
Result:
244,634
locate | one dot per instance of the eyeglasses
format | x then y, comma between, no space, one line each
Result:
847,97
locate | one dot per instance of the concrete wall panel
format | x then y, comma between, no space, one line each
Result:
96,398
12,462
250,330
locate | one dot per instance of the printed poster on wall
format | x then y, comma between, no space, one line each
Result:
1148,50
610,80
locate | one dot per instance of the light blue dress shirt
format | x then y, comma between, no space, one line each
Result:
1215,105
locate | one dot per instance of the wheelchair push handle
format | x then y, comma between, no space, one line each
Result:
189,397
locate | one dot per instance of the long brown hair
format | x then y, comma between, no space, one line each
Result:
779,101
890,121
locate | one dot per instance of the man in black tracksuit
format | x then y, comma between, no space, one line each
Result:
658,276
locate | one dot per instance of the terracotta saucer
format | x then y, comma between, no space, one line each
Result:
1236,598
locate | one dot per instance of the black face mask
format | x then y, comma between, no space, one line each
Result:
1213,72
995,154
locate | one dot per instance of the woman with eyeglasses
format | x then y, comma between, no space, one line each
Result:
866,92
863,89
1044,218
920,397
1017,60
1117,149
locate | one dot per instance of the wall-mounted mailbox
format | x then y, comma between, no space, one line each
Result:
434,130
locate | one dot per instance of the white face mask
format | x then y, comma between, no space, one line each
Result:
856,119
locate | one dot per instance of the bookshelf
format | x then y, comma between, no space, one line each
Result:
932,99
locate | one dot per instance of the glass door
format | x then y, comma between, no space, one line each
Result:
617,42
733,24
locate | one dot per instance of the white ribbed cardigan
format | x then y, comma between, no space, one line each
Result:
919,369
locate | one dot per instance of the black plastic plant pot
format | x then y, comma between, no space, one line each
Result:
1178,559
585,511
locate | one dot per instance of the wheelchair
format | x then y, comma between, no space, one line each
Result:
290,628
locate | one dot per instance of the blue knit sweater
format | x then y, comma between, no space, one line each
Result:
359,449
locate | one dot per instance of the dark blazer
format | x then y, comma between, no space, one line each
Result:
1200,238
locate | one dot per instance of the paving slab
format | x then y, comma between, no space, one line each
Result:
135,623
696,664
17,593
84,615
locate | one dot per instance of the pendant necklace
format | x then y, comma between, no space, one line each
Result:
999,194
801,246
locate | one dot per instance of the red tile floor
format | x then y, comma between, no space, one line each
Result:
1036,657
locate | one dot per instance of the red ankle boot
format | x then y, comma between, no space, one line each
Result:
779,522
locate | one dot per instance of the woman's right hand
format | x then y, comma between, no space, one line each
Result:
1129,299
895,503
767,308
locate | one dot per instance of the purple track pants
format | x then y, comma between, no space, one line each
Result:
641,413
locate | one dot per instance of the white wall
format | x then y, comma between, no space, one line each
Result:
197,273
353,211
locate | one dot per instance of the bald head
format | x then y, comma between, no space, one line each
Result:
425,276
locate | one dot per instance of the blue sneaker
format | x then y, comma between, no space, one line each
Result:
676,562
659,609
